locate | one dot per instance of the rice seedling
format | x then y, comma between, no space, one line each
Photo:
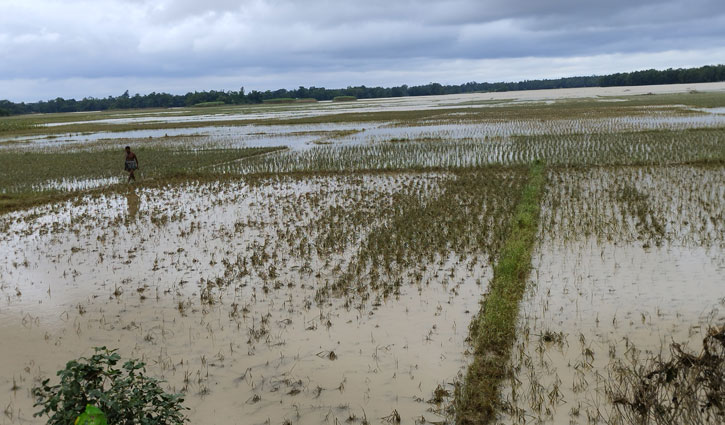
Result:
35,171
16,125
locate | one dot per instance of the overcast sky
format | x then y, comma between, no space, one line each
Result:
78,48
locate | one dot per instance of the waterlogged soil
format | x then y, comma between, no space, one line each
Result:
293,136
598,306
631,265
70,184
262,302
400,104
472,137
443,126
216,287
304,137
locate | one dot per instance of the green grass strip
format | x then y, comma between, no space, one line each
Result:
493,330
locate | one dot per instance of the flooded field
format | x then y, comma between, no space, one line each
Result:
248,298
323,263
629,261
471,100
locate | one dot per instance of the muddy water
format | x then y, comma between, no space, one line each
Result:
293,136
253,136
599,304
301,137
608,290
68,185
404,104
213,288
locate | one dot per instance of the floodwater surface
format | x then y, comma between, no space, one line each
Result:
216,287
629,265
343,292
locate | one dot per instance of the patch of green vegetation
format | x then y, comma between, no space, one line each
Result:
637,204
465,217
344,99
630,148
493,330
30,178
208,104
695,99
480,102
19,201
125,395
14,125
695,145
469,217
282,100
409,156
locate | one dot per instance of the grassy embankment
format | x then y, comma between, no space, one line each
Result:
208,104
492,331
32,178
282,100
344,99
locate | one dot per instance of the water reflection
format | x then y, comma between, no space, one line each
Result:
133,202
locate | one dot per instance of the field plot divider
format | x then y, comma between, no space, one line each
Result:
492,331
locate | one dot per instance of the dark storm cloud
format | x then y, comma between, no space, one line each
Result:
133,40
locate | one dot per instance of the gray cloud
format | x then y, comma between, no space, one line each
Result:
177,42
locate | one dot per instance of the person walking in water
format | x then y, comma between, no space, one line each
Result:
131,164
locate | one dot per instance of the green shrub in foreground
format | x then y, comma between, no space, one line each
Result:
126,395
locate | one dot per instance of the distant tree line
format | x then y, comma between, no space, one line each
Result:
704,74
710,73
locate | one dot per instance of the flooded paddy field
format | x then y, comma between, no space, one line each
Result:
322,263
271,301
630,260
390,105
